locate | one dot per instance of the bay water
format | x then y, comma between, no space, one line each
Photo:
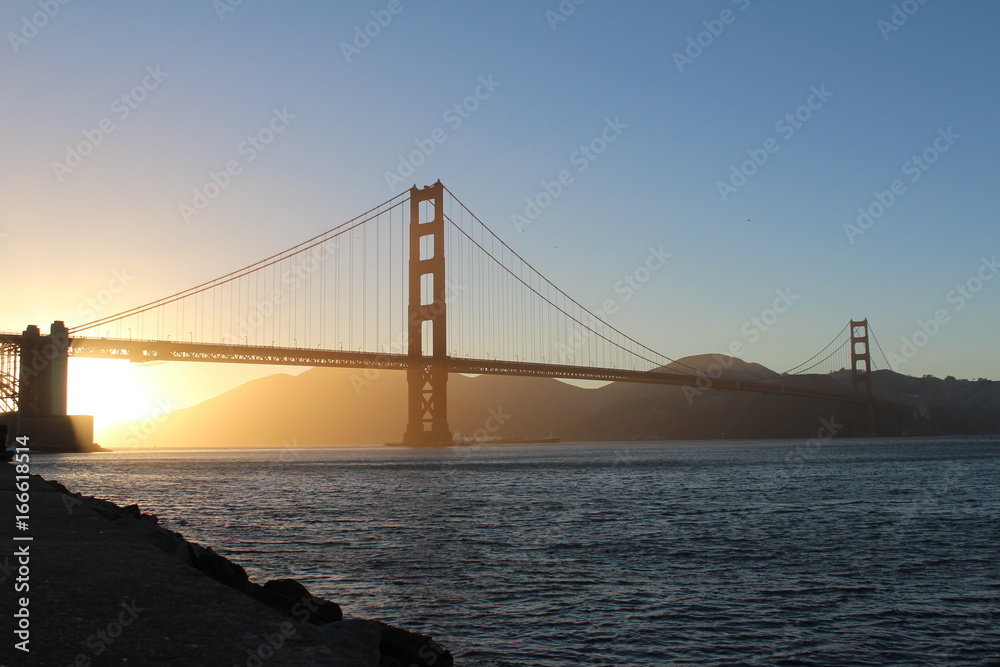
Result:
840,552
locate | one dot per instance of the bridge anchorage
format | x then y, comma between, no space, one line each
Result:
379,292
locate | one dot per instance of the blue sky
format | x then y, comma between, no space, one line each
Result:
888,94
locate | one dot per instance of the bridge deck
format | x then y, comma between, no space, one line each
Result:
151,350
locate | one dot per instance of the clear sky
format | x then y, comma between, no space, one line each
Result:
742,137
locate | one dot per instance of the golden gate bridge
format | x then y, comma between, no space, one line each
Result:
377,292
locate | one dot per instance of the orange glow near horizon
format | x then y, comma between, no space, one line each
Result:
111,391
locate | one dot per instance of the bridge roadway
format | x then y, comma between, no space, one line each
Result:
157,350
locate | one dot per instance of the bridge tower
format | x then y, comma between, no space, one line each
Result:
427,375
861,379
39,394
43,371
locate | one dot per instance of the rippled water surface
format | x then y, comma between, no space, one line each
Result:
862,552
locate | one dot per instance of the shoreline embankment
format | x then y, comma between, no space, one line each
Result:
87,582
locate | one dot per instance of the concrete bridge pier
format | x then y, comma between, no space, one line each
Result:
43,375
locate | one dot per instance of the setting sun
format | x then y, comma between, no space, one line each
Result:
111,391
115,390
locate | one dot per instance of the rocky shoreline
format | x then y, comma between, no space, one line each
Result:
305,629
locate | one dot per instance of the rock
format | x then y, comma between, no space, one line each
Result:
291,597
164,540
353,643
133,510
411,649
59,487
104,508
220,568
287,588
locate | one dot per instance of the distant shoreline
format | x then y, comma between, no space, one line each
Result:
379,446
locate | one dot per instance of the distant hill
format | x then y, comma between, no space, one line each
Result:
731,367
940,406
331,406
